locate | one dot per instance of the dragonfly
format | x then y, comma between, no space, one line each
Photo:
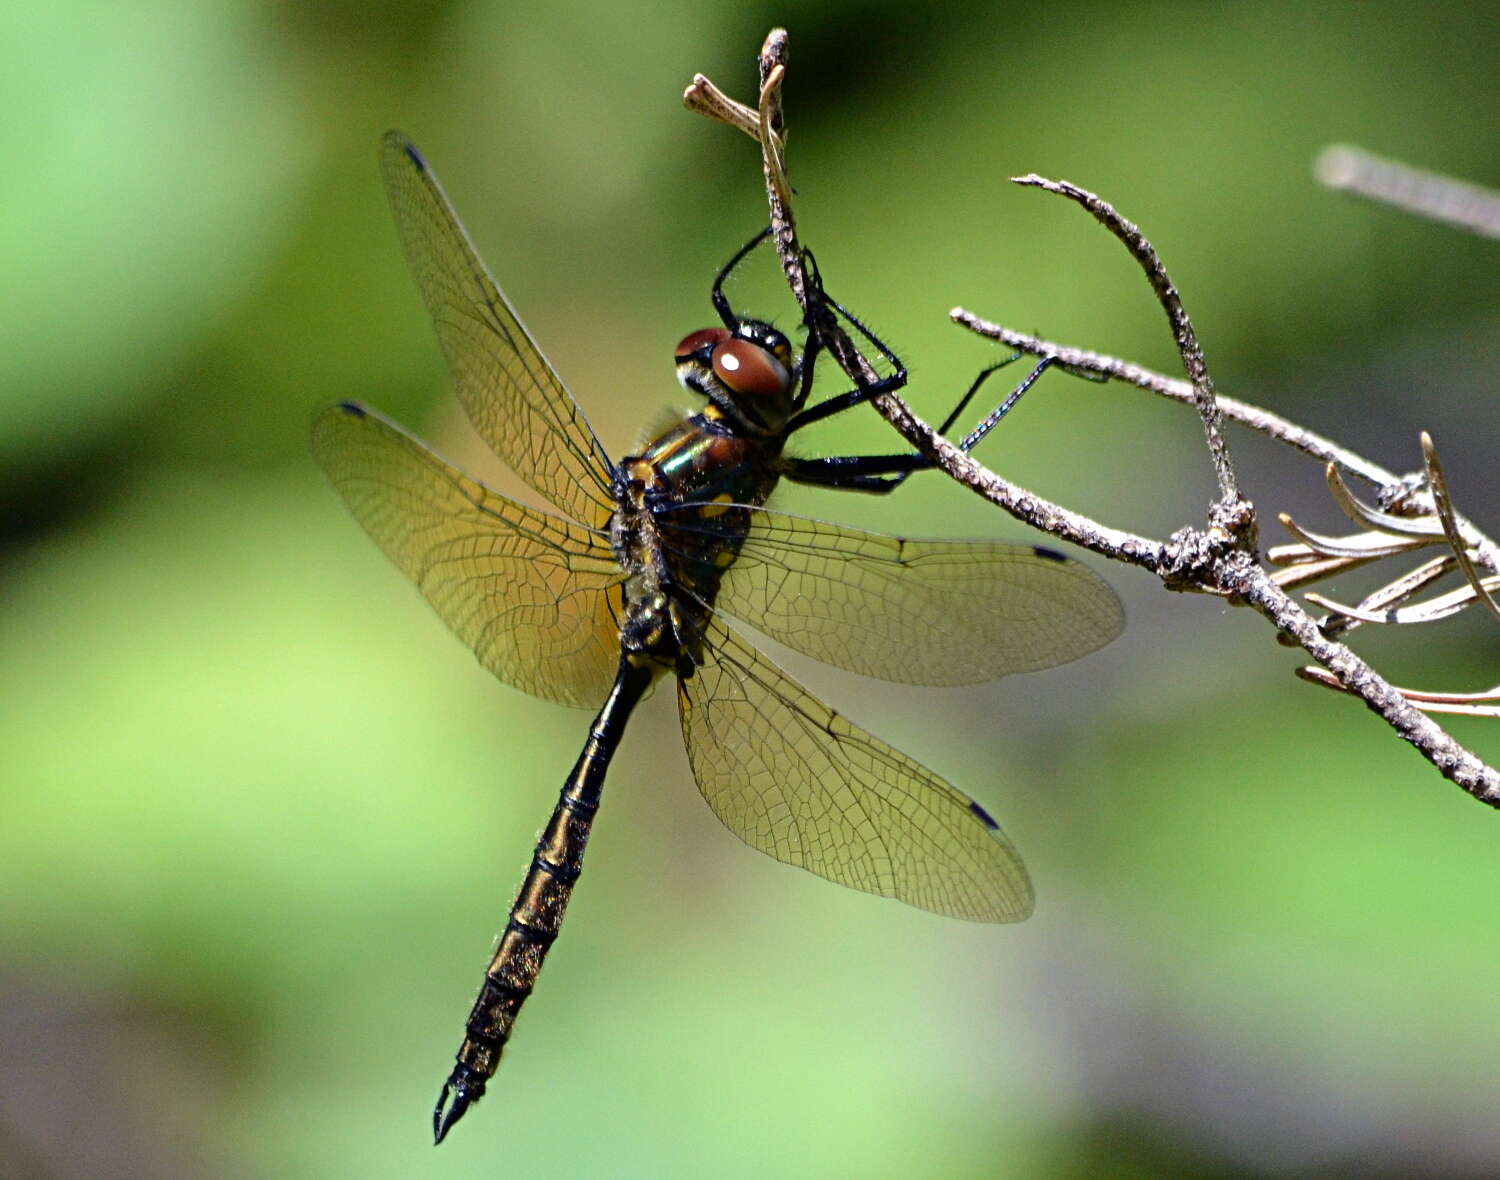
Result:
633,574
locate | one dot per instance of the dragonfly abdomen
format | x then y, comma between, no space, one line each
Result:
537,913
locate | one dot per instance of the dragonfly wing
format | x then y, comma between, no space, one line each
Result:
532,594
512,395
918,612
801,783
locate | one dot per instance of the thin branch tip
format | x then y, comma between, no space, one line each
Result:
1218,559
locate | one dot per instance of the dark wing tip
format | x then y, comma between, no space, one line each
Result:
1047,554
408,149
395,143
353,409
984,816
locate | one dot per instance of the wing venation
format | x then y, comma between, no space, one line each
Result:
801,783
512,395
913,611
534,595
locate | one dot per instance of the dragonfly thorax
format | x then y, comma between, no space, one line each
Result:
661,617
682,512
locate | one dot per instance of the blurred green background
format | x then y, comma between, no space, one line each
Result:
260,816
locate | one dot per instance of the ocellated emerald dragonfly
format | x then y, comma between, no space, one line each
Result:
635,572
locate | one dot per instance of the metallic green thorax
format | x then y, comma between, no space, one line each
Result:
685,504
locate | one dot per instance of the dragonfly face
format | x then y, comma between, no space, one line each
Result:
745,370
637,570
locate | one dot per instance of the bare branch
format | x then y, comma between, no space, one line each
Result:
1217,560
707,99
1271,425
1452,760
1017,501
1023,505
1182,327
1427,194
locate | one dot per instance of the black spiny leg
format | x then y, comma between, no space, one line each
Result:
721,301
879,474
882,474
819,305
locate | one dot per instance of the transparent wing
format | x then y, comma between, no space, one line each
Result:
532,594
919,612
511,394
794,779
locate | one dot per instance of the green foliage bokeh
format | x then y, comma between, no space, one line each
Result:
259,815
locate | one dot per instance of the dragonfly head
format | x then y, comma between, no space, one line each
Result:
748,372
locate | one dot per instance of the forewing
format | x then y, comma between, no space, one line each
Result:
919,612
532,594
796,780
511,394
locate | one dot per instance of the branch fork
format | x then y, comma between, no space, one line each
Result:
1220,557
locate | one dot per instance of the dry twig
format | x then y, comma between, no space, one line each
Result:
1218,559
1426,194
1271,425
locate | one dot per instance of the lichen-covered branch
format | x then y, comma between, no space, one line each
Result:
1182,327
1219,559
1274,426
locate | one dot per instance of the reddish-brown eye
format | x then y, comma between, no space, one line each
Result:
703,338
748,368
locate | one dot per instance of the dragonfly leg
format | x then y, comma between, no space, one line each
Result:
882,474
821,305
856,473
721,301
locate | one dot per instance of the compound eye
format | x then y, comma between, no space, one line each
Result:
746,367
695,342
